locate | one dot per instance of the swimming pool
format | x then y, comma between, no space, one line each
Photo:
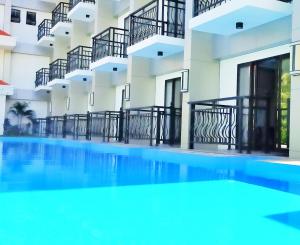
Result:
65,192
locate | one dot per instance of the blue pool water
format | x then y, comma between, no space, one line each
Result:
64,192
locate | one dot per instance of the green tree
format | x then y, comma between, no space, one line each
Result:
21,111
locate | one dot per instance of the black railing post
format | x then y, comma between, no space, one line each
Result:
121,125
64,127
172,125
127,125
158,123
240,124
151,125
192,125
230,128
250,124
88,130
104,127
109,125
267,126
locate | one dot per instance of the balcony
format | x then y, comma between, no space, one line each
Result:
157,29
78,64
42,79
82,10
57,72
110,50
61,24
45,38
233,16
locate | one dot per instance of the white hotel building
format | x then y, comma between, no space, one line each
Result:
204,74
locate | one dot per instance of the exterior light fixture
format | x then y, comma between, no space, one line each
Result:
51,44
127,92
84,79
115,69
48,92
185,80
67,33
87,16
295,59
63,86
92,99
68,103
239,25
160,53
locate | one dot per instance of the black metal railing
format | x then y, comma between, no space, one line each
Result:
79,58
73,3
44,29
107,125
54,126
39,127
229,121
201,6
75,125
42,77
165,17
156,124
57,69
60,13
111,42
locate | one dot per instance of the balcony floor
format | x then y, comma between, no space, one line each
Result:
253,13
58,82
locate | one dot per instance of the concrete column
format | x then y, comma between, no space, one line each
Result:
58,101
295,91
80,34
105,15
104,92
142,83
78,96
61,48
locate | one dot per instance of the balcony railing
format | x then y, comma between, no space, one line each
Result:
79,59
201,6
111,42
155,124
73,3
57,69
165,17
42,77
59,14
229,121
44,29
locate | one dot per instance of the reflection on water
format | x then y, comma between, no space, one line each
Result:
33,166
37,166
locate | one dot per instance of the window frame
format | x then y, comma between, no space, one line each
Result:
17,19
30,13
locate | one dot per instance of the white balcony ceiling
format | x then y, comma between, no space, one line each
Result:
62,29
58,83
46,41
108,63
83,11
253,13
7,42
149,48
80,76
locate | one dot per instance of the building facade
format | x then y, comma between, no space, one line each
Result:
209,75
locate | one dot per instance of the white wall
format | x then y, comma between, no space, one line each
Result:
1,16
23,69
229,68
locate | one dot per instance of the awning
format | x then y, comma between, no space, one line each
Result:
3,33
3,83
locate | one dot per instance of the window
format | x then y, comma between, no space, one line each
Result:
31,18
15,16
